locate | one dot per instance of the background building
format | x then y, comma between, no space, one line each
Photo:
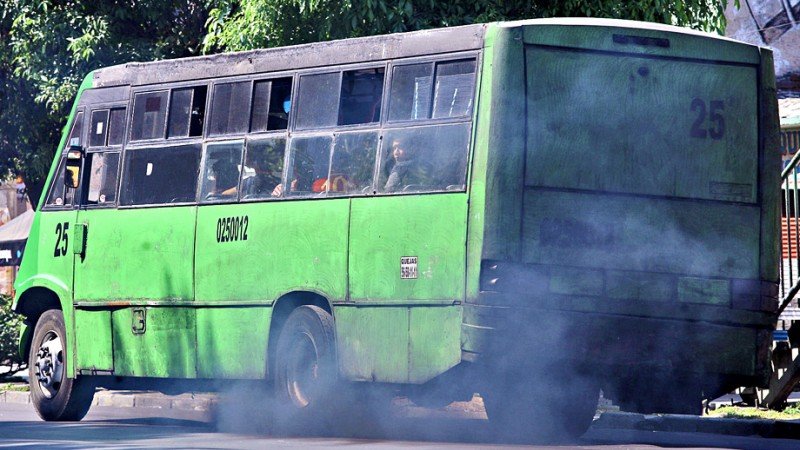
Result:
776,24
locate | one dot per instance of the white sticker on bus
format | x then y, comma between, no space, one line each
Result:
408,267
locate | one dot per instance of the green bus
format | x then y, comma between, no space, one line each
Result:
531,210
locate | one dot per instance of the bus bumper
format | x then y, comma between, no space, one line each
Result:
696,339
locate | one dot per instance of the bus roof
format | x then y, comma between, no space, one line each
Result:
344,51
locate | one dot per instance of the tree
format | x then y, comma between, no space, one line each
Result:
50,45
247,24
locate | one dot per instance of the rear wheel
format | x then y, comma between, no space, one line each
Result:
306,378
55,396
530,408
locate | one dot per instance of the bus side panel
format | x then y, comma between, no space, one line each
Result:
166,348
93,342
259,251
397,345
232,342
136,254
430,227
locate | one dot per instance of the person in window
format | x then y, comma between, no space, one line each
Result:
226,177
263,182
404,169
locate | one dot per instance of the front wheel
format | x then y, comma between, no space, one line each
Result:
54,395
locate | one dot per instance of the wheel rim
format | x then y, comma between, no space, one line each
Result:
49,365
302,371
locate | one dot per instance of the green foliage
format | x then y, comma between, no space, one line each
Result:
50,45
9,335
248,24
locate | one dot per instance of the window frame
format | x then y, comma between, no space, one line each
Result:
259,138
438,59
204,162
163,144
118,148
169,88
60,166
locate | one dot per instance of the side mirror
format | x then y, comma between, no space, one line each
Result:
72,174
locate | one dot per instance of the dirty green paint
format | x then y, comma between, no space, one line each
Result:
93,340
291,245
167,348
684,45
383,230
232,342
640,234
397,344
700,290
151,259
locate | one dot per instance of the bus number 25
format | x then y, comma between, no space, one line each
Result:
62,239
711,115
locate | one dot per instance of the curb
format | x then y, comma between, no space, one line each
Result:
692,424
133,399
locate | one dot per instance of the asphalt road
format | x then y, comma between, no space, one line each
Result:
107,427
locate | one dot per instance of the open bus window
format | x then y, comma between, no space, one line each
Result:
272,101
116,126
149,115
432,158
308,169
417,94
160,175
187,112
221,172
263,168
361,94
318,100
353,163
103,178
229,108
98,128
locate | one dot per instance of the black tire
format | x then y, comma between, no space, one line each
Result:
60,398
532,409
307,386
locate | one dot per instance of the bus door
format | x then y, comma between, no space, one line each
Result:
56,222
134,287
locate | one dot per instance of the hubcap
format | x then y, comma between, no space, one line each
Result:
49,366
303,371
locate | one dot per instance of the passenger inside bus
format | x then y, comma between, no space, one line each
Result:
404,169
226,177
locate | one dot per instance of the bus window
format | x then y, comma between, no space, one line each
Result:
149,115
159,175
318,100
412,87
99,128
187,112
59,194
229,111
361,94
263,168
353,163
455,83
308,170
272,101
103,178
432,158
410,95
221,172
116,126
